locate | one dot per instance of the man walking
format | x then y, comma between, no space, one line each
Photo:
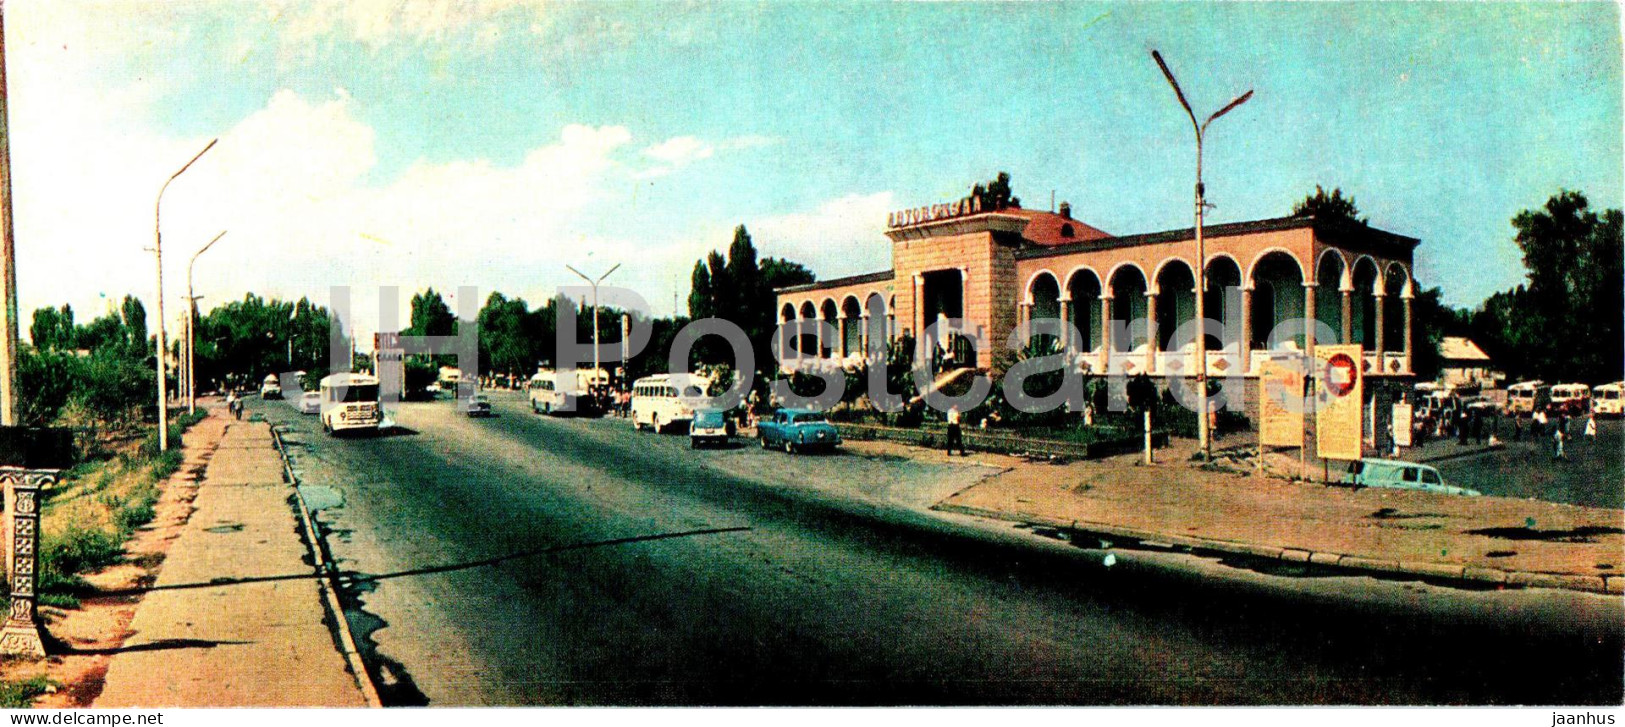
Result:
955,436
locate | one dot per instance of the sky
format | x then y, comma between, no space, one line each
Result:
443,143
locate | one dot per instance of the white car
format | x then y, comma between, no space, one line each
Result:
310,402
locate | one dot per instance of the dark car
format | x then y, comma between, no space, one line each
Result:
479,405
710,426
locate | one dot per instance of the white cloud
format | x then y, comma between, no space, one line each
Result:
842,236
680,150
379,23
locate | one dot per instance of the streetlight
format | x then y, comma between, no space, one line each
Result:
158,252
191,333
594,284
1202,414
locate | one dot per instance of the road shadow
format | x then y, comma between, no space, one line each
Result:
57,647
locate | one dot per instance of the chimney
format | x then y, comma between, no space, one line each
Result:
1066,210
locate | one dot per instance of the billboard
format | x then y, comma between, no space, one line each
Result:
1339,402
1280,414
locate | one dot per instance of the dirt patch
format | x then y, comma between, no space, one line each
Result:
82,640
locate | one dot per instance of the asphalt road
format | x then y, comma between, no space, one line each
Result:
844,591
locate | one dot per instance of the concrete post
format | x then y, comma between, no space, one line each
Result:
1405,297
1105,328
1066,319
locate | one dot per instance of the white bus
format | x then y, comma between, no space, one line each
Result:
270,388
1525,397
1571,399
1608,400
658,405
350,403
547,396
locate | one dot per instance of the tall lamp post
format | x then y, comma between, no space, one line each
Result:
594,284
1202,414
191,333
158,252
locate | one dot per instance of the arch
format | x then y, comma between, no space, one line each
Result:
1112,274
851,326
787,313
1175,287
1267,252
1128,287
1396,283
1342,265
1034,281
1222,300
1084,288
808,310
1278,296
1363,279
1156,274
1330,266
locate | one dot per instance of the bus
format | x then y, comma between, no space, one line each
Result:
350,403
270,388
1608,400
1571,399
659,406
1527,396
548,397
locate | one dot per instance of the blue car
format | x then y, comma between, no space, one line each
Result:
798,430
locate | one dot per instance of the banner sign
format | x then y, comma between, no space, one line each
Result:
1402,424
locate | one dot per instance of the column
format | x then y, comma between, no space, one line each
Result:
1246,329
1379,296
863,335
1151,340
1105,328
1309,315
1348,313
1066,323
917,316
1405,345
21,634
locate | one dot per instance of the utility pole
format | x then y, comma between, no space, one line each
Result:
9,342
1202,414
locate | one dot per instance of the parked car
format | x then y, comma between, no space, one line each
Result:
1571,399
710,426
310,402
1403,475
798,430
479,405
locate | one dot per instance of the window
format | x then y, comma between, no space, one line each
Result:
1066,230
1430,477
1408,474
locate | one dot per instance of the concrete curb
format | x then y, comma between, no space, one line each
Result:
1613,585
352,653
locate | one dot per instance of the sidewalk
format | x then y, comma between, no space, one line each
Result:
243,644
1485,539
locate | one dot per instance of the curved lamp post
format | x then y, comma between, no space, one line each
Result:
1202,415
191,333
158,252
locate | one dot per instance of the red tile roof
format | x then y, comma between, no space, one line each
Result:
1048,229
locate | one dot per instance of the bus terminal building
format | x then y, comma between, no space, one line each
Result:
995,269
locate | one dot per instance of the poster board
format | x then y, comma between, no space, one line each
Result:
1280,397
1402,423
1339,402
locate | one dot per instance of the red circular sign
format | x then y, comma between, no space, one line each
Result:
1341,374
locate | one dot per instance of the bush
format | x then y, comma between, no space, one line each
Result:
76,550
21,694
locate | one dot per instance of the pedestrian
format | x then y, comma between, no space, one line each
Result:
1517,428
1557,443
956,438
1537,423
1591,428
1463,427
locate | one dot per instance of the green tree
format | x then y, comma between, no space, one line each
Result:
996,194
53,329
1332,206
